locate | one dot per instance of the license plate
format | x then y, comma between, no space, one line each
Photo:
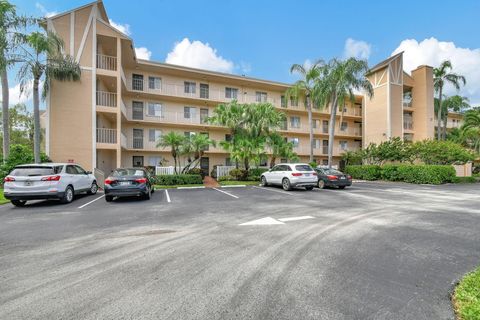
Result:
307,174
28,183
342,178
124,183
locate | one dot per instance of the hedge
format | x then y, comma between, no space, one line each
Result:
428,174
178,179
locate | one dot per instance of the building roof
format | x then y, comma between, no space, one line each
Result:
383,63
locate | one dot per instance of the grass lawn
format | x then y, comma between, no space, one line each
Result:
236,183
2,198
176,186
466,298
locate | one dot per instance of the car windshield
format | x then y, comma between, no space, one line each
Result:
127,172
303,167
332,171
34,171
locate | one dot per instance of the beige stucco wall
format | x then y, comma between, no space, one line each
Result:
422,103
376,117
396,110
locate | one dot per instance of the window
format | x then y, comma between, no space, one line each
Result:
295,122
137,110
295,142
207,135
189,112
154,83
317,143
284,160
71,170
260,96
263,161
228,161
190,87
228,137
154,161
293,102
325,126
343,126
325,162
283,102
343,145
137,82
80,170
154,135
189,134
315,123
325,146
137,161
204,90
231,93
154,109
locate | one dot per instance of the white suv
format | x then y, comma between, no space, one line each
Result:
48,181
290,175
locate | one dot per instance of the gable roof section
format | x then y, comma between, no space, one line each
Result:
383,63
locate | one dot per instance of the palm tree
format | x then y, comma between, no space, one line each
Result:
10,23
174,141
280,148
44,60
336,87
441,76
307,87
262,118
454,103
196,145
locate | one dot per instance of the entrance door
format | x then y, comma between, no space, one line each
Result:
138,138
137,110
205,165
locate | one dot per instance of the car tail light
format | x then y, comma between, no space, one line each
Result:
109,180
315,174
141,180
349,177
51,178
9,179
332,178
296,174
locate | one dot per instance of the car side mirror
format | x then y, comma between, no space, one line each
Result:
88,172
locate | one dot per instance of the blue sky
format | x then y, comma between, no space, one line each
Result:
263,38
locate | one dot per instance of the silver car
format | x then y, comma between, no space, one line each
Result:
60,181
290,175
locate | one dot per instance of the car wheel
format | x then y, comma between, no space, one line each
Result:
108,198
309,188
321,184
68,195
286,184
93,188
19,203
264,181
147,195
153,189
341,187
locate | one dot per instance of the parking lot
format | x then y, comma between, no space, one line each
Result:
372,251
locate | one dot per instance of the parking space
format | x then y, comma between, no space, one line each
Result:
369,251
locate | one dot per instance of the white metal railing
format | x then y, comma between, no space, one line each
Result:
105,135
304,149
167,170
106,62
167,116
408,125
352,131
407,104
99,177
223,171
106,99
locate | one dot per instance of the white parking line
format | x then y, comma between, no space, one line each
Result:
273,190
231,195
86,204
295,218
168,196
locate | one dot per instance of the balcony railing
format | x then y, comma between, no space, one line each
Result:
105,135
167,117
106,62
304,128
408,125
407,104
323,150
106,99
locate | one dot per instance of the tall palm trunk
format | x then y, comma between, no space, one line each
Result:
5,102
444,129
439,115
310,124
331,131
36,120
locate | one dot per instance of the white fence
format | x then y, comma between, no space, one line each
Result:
167,170
223,171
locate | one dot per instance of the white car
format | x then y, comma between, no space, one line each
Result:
60,181
290,175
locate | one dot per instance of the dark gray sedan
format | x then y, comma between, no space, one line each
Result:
128,182
332,178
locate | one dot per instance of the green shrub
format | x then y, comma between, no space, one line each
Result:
427,174
238,174
441,152
390,172
178,179
256,171
366,172
464,180
195,171
226,178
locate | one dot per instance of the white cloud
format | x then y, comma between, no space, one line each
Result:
357,49
44,11
432,52
26,97
123,28
245,67
197,54
143,53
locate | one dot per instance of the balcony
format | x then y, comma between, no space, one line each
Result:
304,128
106,99
167,117
323,150
106,62
106,135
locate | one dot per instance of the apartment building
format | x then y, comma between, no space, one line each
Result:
115,115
